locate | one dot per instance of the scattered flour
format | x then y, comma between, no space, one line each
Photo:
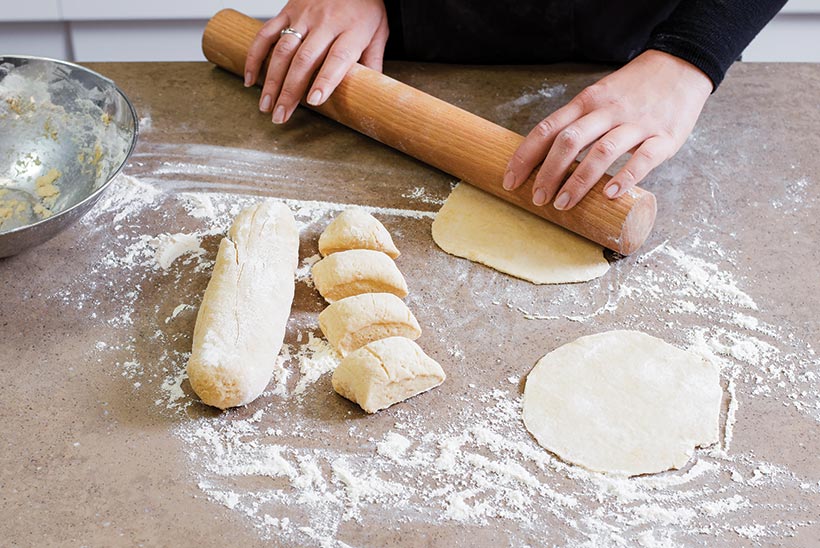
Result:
303,272
481,467
169,247
545,92
146,123
393,446
536,103
315,358
200,206
180,308
793,198
126,196
479,464
422,194
313,208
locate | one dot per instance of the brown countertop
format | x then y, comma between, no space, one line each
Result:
101,446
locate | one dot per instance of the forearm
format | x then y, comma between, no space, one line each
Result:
712,34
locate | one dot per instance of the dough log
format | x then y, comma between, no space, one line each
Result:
357,271
355,228
356,321
241,322
385,372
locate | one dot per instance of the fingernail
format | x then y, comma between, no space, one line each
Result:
248,79
315,97
509,180
279,115
540,197
562,201
612,190
264,106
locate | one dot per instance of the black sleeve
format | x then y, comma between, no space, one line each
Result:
711,34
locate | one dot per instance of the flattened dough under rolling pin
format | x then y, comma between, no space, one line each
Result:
480,227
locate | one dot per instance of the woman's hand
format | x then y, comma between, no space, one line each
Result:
649,106
336,34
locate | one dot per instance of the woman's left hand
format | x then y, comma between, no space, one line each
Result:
649,106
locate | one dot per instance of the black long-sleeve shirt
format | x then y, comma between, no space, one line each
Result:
710,34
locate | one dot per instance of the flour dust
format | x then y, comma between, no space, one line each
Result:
473,463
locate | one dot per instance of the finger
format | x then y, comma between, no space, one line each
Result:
304,65
373,54
652,153
600,157
261,46
535,146
283,52
345,51
565,148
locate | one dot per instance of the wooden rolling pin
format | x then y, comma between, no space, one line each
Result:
447,137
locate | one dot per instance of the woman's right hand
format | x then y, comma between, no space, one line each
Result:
336,34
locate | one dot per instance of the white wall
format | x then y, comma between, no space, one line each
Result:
159,40
46,39
115,30
789,37
170,30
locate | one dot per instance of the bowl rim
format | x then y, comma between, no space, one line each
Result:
94,196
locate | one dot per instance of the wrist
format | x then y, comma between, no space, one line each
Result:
689,72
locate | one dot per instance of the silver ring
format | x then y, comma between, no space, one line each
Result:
293,31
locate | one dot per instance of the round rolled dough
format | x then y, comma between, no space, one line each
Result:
623,402
482,228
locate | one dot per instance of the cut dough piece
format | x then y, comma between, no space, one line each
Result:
241,322
355,228
355,321
482,228
385,372
623,402
357,271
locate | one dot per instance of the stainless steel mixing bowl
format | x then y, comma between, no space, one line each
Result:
65,133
